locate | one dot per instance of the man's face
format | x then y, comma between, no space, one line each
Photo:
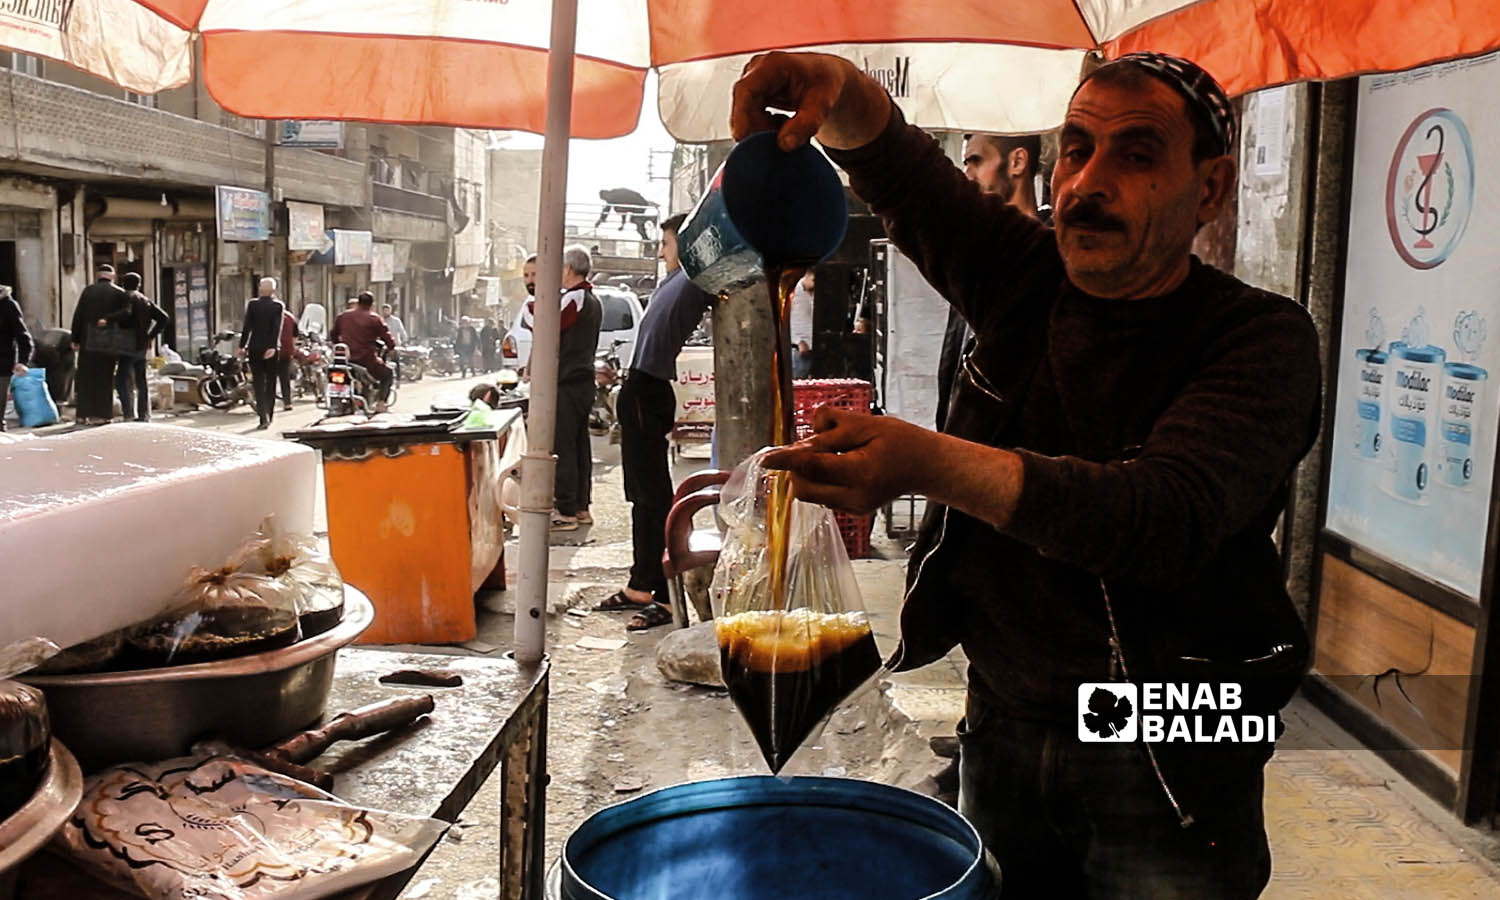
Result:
985,166
668,251
528,275
385,311
1129,197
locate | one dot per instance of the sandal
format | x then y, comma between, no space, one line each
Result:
650,616
584,518
617,601
564,523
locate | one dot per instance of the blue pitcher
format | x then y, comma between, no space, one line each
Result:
764,206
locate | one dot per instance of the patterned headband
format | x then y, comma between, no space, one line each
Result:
1196,86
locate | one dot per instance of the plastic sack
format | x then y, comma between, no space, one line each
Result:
219,827
33,402
216,614
298,562
787,666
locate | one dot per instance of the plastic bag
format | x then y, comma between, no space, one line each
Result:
298,562
216,614
219,827
33,402
787,666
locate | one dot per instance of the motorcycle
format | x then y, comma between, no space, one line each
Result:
441,359
225,383
311,361
411,362
350,384
609,375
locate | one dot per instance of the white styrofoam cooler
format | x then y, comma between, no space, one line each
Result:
98,528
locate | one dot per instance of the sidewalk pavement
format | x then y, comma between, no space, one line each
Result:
1341,822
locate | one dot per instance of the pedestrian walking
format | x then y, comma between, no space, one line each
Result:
288,351
394,323
260,342
100,337
1101,501
147,320
648,412
578,339
489,345
15,346
465,345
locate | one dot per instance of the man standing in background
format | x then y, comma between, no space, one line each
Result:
289,334
578,339
1005,167
648,412
147,319
394,323
15,346
800,326
260,340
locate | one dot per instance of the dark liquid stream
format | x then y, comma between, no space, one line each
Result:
781,282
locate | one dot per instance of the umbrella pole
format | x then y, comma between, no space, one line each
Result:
540,464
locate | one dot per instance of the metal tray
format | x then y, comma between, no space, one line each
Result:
151,714
33,825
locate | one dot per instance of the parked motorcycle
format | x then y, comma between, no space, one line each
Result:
225,383
441,360
609,375
412,362
310,361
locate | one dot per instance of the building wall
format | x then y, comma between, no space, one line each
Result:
470,171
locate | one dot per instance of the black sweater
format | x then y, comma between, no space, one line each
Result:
1156,436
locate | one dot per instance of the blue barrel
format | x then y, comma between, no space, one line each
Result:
763,837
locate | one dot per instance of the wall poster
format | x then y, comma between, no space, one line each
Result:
1415,407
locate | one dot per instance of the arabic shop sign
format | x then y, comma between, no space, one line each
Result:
244,214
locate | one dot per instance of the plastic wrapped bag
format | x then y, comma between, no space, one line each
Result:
34,403
787,663
219,827
216,614
298,562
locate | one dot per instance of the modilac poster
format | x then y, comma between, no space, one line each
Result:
1416,404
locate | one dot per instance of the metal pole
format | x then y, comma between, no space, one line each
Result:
539,465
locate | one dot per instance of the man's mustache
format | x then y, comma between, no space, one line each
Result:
1090,214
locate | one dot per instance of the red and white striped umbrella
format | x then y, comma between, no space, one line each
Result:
962,64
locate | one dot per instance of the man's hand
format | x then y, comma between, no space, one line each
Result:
857,462
240,353
269,354
18,370
832,99
103,323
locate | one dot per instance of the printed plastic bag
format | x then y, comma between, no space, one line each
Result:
298,562
218,827
216,614
788,663
33,403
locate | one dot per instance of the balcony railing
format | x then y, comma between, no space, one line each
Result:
401,200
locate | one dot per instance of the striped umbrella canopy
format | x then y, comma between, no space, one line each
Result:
961,64
956,64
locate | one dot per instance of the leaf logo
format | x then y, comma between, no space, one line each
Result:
1107,712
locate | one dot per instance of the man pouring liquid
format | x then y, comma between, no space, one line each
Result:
1118,448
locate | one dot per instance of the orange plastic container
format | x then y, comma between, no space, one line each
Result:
414,522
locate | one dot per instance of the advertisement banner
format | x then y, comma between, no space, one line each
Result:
383,263
694,387
1415,412
314,134
244,214
352,248
198,310
304,226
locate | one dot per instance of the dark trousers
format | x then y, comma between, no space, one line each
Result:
1062,818
284,372
648,409
263,382
130,378
575,455
4,396
91,385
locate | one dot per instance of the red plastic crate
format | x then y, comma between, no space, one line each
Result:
841,393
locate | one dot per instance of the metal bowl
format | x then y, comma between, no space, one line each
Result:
33,825
150,714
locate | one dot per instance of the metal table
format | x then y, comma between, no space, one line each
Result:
497,717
